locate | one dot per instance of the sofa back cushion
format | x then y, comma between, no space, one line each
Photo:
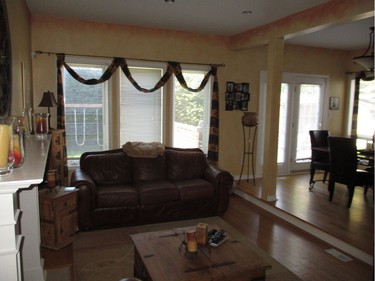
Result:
149,169
184,164
108,168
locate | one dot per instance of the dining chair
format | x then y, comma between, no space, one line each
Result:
319,154
343,159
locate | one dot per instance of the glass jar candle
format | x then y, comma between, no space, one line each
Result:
41,124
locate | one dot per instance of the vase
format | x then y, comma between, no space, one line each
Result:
250,119
19,132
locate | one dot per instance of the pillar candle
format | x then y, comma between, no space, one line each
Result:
4,145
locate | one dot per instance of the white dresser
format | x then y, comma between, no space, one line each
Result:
19,215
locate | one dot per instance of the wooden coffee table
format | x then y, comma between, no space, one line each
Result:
158,257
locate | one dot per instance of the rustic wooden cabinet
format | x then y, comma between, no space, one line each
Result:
58,217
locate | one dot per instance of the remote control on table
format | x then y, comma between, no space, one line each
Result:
217,238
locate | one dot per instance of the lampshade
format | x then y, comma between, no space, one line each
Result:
48,100
367,59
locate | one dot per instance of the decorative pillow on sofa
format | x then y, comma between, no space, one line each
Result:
186,164
113,168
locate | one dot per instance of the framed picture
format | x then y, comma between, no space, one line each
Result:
245,87
229,105
229,95
245,96
238,96
230,86
238,87
334,103
244,106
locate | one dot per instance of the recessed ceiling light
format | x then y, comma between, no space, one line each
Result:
169,1
247,12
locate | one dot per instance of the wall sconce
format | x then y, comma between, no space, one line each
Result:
48,100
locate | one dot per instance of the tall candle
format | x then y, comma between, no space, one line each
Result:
4,145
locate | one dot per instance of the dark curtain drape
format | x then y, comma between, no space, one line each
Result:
172,68
61,113
355,107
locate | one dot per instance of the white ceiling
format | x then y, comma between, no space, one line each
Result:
217,17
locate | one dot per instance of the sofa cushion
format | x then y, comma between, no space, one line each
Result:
108,168
186,164
195,189
149,169
157,192
111,196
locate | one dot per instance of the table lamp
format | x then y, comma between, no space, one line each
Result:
48,100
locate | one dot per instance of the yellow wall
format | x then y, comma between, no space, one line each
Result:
20,40
76,37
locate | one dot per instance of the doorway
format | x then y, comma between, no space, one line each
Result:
301,109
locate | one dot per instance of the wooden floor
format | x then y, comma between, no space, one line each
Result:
299,251
354,225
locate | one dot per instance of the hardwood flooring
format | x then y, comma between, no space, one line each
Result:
354,225
299,251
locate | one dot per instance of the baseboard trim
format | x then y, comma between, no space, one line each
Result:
317,232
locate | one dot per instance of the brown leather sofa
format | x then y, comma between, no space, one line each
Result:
117,190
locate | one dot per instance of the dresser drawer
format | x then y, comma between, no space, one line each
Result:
67,204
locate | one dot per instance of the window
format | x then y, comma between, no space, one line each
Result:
366,112
191,111
141,114
86,110
137,116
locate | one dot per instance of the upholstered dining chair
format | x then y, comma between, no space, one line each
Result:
343,159
319,154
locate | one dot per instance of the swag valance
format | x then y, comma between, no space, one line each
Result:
172,68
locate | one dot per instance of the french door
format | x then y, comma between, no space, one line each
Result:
301,109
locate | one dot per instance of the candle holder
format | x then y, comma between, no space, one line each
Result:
41,126
190,244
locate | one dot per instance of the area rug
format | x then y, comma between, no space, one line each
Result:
107,255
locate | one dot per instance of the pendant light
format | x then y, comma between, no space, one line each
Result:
367,59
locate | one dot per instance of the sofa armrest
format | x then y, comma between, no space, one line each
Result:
223,182
86,197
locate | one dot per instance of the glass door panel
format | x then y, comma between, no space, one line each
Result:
308,119
282,149
308,101
301,103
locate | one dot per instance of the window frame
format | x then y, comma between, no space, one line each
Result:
164,109
73,61
206,104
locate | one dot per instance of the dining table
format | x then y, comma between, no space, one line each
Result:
365,156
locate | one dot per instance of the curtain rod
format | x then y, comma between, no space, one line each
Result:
93,56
